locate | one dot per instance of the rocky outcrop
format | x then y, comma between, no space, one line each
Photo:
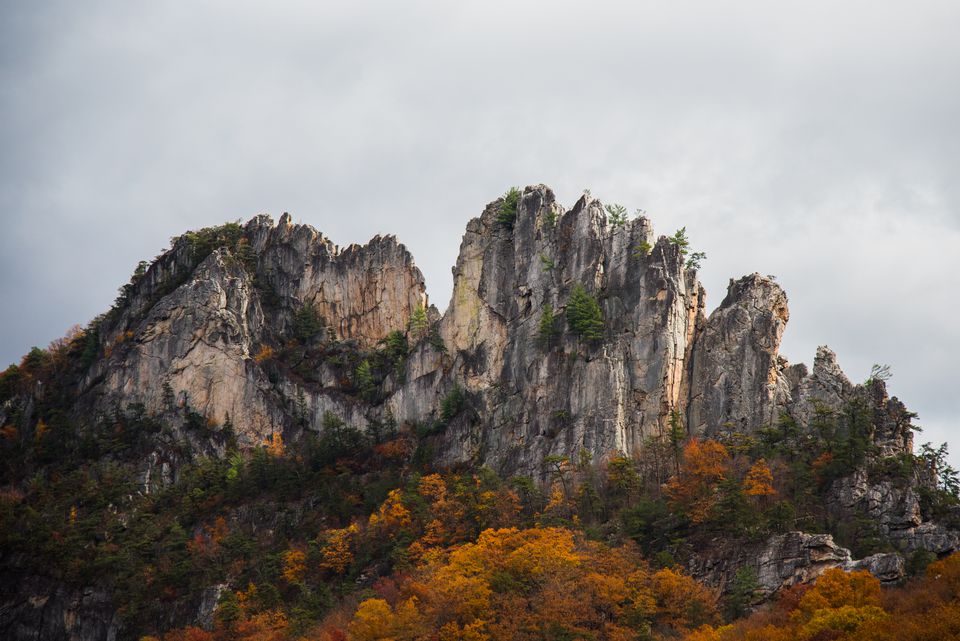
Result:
533,398
736,380
364,291
194,340
189,336
198,343
787,559
931,537
196,330
826,389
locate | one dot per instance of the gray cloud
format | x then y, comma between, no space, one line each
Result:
814,141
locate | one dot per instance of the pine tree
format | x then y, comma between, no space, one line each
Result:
584,315
419,323
547,329
507,215
365,382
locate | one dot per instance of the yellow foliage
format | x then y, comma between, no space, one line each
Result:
836,588
391,515
852,607
375,620
336,554
246,598
558,506
532,584
759,480
294,565
470,632
846,618
681,601
433,487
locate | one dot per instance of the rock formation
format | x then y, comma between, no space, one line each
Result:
536,398
200,340
194,330
501,379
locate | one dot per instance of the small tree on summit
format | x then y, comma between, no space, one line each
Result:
584,315
507,215
680,240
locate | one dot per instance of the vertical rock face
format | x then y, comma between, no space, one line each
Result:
198,343
192,327
189,334
826,388
736,380
364,291
534,397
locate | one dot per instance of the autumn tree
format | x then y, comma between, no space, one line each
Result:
336,552
694,491
759,480
274,445
294,565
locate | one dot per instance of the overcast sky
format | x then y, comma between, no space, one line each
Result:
817,141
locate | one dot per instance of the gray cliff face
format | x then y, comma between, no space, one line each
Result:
194,333
191,335
364,291
788,559
532,398
736,379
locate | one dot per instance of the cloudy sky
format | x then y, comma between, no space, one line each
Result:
817,141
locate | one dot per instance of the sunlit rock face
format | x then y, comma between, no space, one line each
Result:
189,336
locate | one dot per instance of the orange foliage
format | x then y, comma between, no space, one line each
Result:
822,461
398,449
264,353
695,490
188,634
759,480
532,584
206,543
852,607
391,515
680,600
271,625
274,444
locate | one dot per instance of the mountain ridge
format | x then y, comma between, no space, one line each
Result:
572,342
